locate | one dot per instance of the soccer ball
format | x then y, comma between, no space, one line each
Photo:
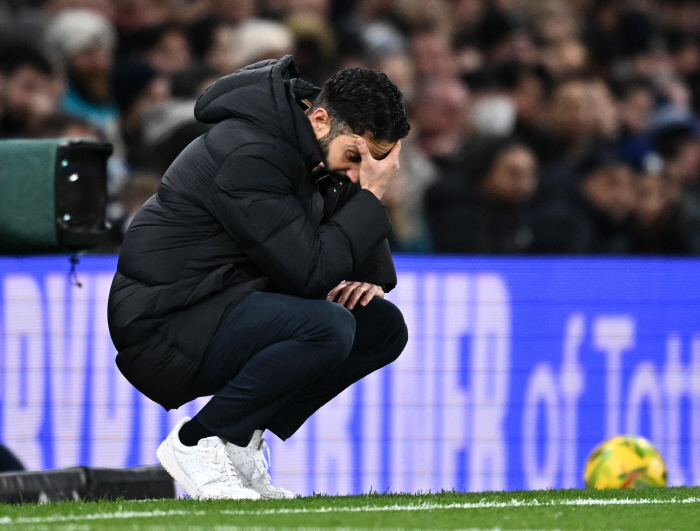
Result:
625,462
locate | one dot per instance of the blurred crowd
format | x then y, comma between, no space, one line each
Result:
537,126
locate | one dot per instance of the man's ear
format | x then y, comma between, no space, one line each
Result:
320,122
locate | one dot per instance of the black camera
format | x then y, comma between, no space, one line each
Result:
53,195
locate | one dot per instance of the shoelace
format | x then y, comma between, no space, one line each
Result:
263,460
221,462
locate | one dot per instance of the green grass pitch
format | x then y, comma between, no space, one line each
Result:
672,509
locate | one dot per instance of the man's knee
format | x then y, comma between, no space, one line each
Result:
398,331
392,335
335,326
341,325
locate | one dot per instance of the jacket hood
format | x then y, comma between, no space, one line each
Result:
268,94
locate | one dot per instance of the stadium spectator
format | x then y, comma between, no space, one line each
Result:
63,125
635,104
605,127
489,212
191,82
402,71
502,37
137,87
106,8
404,201
251,41
30,90
233,12
673,132
493,113
165,47
667,218
597,218
132,15
85,42
166,130
441,125
314,45
553,21
434,55
571,124
525,88
572,120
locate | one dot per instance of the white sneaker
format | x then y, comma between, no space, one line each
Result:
205,471
252,463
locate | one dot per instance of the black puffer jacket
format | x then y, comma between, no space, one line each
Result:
238,211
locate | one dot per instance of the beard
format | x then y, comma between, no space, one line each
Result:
337,128
325,144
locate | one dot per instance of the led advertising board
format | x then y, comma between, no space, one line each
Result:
515,369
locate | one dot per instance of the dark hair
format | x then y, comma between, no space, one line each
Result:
495,27
597,158
489,151
363,101
623,89
130,79
55,126
16,55
187,83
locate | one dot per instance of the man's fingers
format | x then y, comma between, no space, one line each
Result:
392,158
363,148
332,294
358,292
350,293
375,291
347,292
394,152
369,295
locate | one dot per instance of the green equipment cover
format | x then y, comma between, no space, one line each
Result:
53,195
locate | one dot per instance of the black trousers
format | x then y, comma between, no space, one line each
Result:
276,359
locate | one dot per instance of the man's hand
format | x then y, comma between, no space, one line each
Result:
351,292
375,175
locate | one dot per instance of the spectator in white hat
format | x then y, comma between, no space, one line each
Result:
85,41
251,41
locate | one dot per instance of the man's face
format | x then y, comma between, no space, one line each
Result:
571,115
95,60
31,95
445,115
651,200
611,189
342,156
513,177
340,153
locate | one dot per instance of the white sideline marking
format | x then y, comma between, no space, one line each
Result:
303,528
362,509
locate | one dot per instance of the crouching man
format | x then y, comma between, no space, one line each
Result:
257,272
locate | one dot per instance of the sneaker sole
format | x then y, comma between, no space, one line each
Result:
273,496
267,495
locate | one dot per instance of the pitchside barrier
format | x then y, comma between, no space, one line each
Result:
83,483
515,369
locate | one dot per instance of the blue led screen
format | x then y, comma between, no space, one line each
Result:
514,371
